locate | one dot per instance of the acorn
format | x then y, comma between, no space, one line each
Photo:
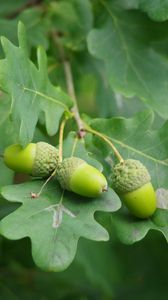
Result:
132,182
38,160
75,175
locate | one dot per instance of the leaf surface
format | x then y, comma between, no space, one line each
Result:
7,131
130,230
134,138
56,220
156,9
30,89
130,45
74,19
36,27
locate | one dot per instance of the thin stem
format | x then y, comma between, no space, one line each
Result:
71,92
36,195
82,128
70,85
105,138
61,136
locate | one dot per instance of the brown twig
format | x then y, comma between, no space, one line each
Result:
70,85
29,4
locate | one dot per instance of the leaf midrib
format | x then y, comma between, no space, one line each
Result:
125,47
138,151
46,97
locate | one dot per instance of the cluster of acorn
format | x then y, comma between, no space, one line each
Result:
130,179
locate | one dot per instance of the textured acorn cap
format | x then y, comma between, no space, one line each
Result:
129,175
46,160
66,169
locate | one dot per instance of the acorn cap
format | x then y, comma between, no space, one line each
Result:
129,175
66,169
46,160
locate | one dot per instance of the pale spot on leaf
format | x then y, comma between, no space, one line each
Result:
162,198
58,210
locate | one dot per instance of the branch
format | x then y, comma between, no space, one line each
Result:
70,85
30,3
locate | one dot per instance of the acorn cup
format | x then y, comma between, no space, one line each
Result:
132,182
38,160
75,175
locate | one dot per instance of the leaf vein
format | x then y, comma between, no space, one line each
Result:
47,97
139,152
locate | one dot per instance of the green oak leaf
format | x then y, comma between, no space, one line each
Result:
135,138
130,230
30,89
7,207
129,44
74,20
7,131
55,221
156,9
6,175
36,27
128,4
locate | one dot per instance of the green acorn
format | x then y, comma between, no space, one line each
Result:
39,159
75,175
132,182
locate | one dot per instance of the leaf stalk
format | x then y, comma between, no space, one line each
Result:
106,139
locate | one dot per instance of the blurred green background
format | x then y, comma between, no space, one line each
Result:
100,271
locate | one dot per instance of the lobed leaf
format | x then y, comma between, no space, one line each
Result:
7,131
56,220
133,49
156,9
36,28
134,138
130,230
30,89
74,20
